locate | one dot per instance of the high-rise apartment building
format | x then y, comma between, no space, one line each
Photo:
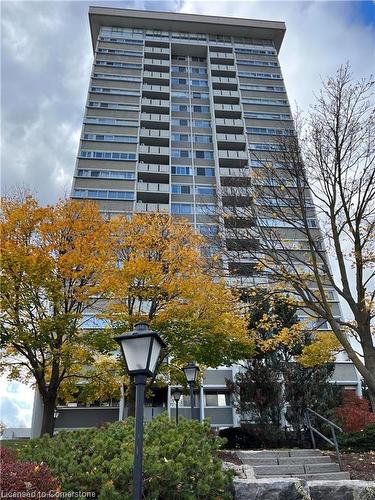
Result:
178,107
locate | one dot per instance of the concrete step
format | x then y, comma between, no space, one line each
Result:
278,470
334,476
317,468
247,454
315,459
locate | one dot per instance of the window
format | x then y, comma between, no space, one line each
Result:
109,76
267,116
132,53
269,131
217,398
180,107
185,401
111,121
91,321
180,94
181,170
178,81
267,102
110,138
117,64
106,174
205,209
205,155
250,74
262,88
180,122
268,52
257,63
206,172
103,194
199,83
107,155
199,95
201,109
198,71
203,139
128,41
180,137
181,189
205,190
178,69
180,153
210,230
181,208
201,123
257,146
108,90
113,105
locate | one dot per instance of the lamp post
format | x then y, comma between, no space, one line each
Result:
191,371
141,350
177,393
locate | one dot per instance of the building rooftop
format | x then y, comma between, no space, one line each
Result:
193,23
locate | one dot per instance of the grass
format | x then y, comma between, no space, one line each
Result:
13,444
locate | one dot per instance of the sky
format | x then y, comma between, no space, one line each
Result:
46,61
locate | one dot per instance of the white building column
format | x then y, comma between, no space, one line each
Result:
37,416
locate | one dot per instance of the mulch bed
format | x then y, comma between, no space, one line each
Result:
360,465
229,456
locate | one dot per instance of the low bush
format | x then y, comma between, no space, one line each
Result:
358,441
180,462
26,478
354,414
253,436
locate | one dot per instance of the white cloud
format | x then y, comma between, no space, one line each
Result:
16,402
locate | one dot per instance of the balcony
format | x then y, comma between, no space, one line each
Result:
231,141
226,96
152,192
221,57
152,187
151,172
233,158
224,83
225,70
155,78
155,105
156,65
154,137
153,154
152,207
155,91
155,121
159,52
227,125
227,110
245,281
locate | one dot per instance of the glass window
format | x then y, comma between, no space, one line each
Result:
181,170
202,123
217,399
205,190
201,109
206,155
180,122
206,172
180,137
181,189
178,81
181,208
180,153
203,139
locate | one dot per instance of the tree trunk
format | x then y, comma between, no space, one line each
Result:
48,420
369,358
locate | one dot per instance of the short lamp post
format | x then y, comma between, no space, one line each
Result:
141,350
176,396
191,371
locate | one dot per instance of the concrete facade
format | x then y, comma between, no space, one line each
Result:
171,102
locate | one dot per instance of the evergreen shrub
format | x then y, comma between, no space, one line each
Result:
180,462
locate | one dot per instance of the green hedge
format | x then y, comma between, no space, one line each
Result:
179,461
358,441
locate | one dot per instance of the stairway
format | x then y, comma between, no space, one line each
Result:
310,465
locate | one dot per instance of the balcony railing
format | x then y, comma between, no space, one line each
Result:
153,168
152,187
152,207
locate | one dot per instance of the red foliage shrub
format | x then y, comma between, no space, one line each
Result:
17,476
354,414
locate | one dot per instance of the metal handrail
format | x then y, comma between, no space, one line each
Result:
332,425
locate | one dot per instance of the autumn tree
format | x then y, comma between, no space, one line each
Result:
163,278
55,262
313,202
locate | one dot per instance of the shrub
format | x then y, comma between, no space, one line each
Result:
358,441
354,413
24,477
179,461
